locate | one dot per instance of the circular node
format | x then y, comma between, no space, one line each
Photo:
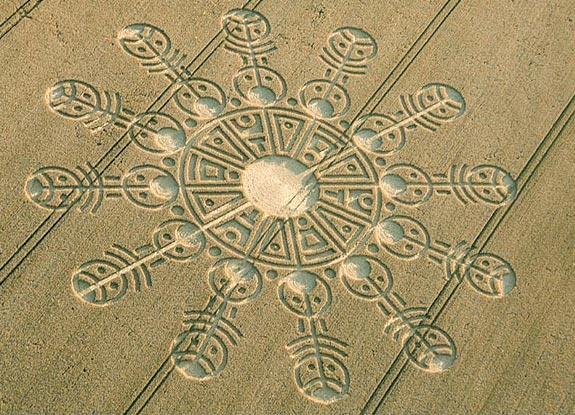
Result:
164,187
262,95
171,139
321,108
357,267
390,232
302,281
393,185
208,107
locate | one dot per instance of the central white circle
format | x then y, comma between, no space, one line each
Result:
280,186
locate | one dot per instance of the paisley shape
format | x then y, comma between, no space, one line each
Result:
491,275
81,101
201,98
305,294
144,41
322,377
378,133
430,348
365,277
491,184
349,49
100,282
324,99
54,188
235,280
260,86
199,353
156,132
179,240
150,187
403,237
406,184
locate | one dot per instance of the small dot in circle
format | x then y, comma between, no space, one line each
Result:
390,206
346,228
344,124
302,221
234,175
236,102
202,88
318,88
177,210
272,274
190,123
380,161
330,273
209,202
292,102
308,157
167,236
179,249
373,248
168,161
231,236
215,251
140,177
